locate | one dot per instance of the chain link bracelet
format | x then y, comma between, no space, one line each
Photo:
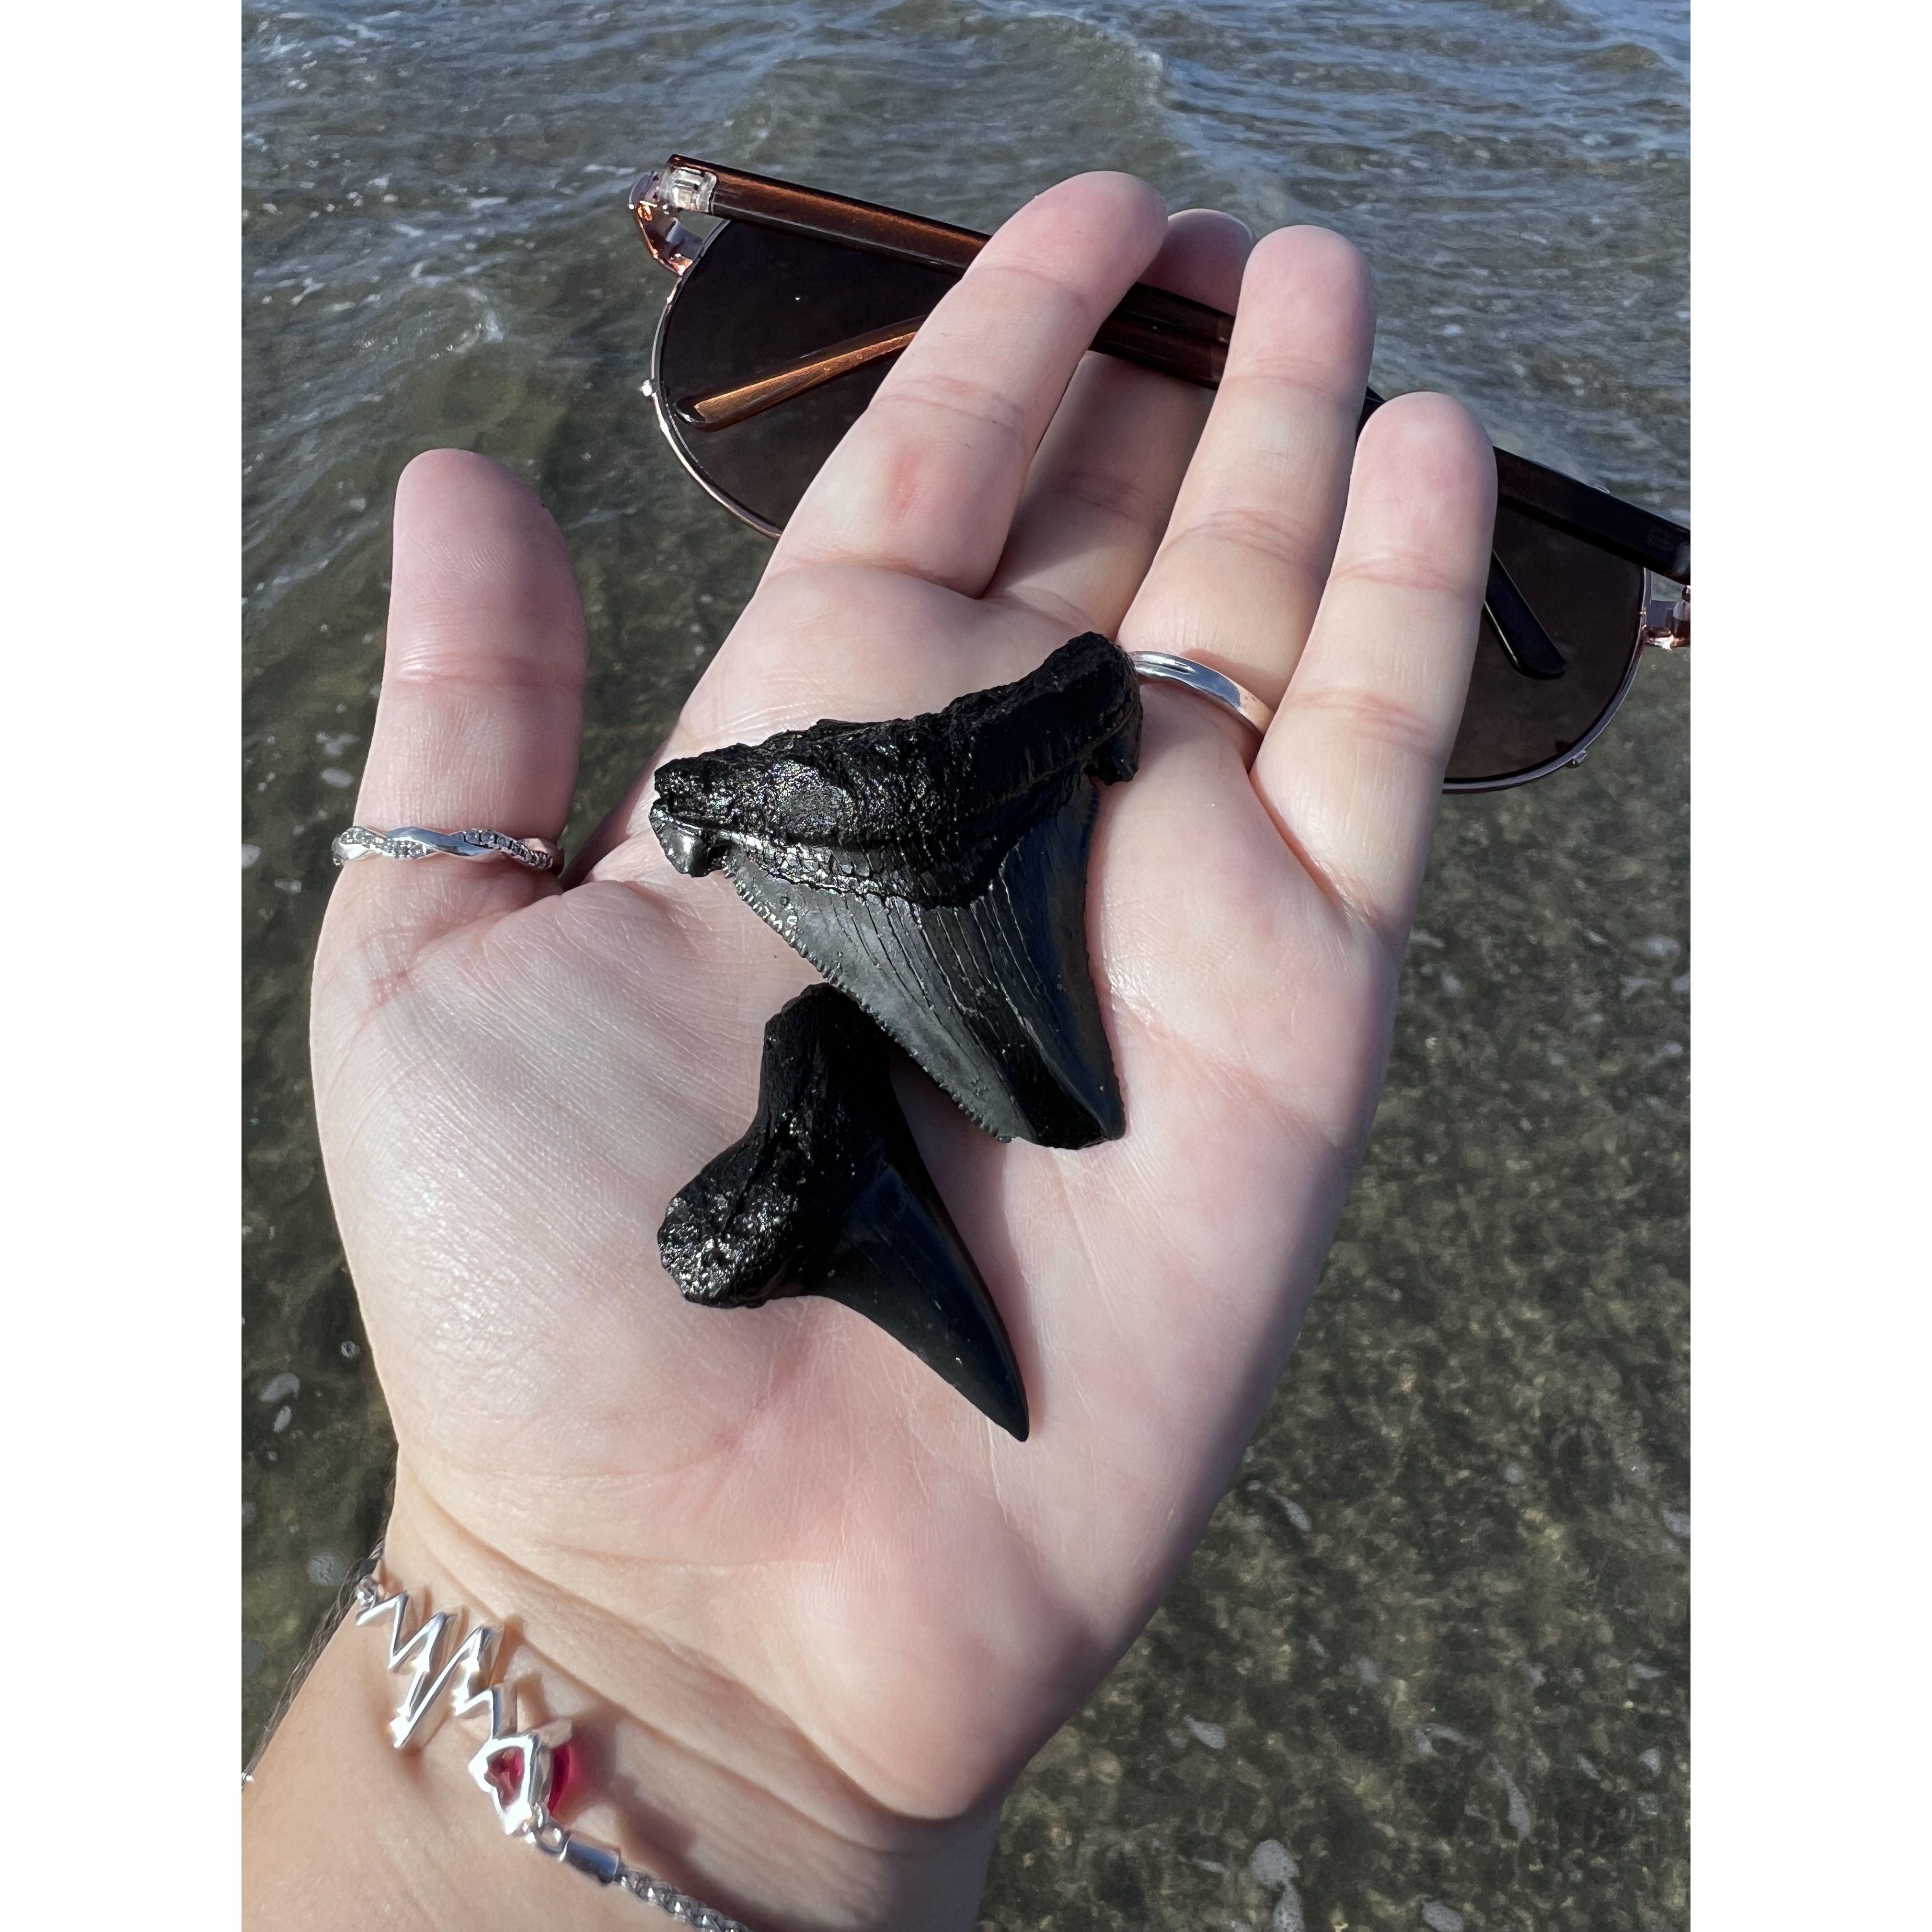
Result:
519,1771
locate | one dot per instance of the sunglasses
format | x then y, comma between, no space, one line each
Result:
783,320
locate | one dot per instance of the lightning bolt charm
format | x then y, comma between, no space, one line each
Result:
468,1669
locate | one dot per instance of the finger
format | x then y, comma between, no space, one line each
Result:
1102,487
926,481
1239,574
482,696
1352,765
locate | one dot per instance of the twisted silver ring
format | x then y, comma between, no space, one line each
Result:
414,842
1163,667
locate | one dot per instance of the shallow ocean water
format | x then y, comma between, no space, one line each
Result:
1430,1665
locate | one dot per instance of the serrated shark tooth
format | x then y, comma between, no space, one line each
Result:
935,868
826,1195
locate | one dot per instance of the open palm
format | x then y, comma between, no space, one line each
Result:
804,1577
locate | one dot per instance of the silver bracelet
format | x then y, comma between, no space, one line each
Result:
518,1770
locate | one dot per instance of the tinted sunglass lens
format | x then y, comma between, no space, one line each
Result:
1590,606
756,300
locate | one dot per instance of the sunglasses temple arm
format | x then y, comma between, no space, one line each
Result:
721,408
1525,643
1604,522
1126,337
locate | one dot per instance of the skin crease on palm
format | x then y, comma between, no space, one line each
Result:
819,1584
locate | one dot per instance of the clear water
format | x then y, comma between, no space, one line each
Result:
1436,1643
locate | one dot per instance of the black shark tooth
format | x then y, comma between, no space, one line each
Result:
935,869
826,1195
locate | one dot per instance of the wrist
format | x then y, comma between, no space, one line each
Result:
671,1760
337,1826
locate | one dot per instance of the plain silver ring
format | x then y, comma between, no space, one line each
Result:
1164,667
416,841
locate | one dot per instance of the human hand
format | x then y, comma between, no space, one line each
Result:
824,1611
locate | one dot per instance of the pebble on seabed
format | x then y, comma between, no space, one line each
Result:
1272,1865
